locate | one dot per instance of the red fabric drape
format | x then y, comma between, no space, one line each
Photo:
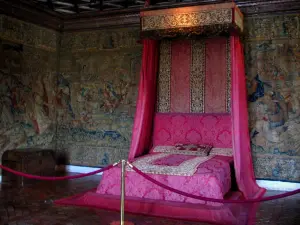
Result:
241,139
142,129
180,76
215,75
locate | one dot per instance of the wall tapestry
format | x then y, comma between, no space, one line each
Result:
272,52
27,85
97,91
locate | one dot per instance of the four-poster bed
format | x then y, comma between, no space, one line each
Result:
191,122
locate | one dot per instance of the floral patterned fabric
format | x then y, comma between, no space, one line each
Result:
205,149
174,150
209,129
184,149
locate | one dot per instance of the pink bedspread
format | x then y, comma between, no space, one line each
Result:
211,179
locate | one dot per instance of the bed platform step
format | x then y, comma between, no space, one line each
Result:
229,214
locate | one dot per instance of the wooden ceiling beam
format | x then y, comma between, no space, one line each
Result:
101,7
254,7
126,4
75,3
50,4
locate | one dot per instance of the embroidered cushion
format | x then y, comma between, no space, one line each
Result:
221,151
199,150
205,149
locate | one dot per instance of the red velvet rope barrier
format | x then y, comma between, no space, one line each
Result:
29,176
153,181
212,199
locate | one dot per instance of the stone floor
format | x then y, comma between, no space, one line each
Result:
32,205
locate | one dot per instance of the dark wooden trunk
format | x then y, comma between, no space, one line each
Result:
32,161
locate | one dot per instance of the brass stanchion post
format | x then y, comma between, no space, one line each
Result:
122,191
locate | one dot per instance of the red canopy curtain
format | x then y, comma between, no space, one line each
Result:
241,139
142,128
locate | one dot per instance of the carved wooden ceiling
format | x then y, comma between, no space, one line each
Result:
71,15
67,7
86,6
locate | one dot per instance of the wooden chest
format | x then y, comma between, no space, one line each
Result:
32,161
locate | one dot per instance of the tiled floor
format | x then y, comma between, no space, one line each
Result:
32,205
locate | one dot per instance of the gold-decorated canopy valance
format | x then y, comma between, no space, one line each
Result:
195,20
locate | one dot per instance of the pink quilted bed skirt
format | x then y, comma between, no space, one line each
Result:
212,178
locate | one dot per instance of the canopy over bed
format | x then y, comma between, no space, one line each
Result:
204,20
226,65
